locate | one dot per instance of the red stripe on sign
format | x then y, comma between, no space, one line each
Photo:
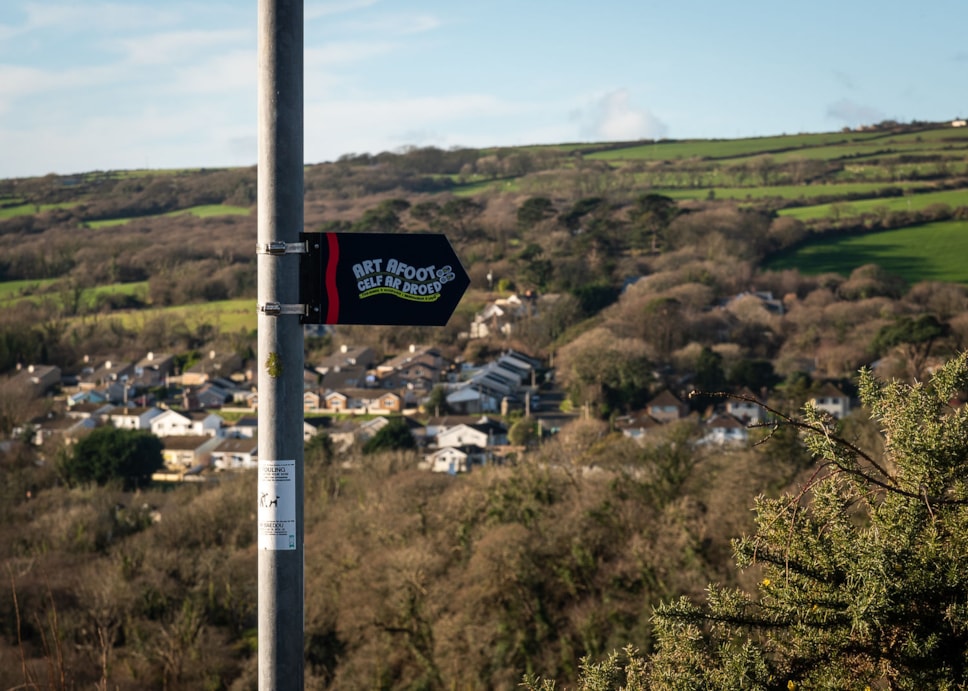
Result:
332,294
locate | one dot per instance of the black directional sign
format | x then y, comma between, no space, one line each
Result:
380,278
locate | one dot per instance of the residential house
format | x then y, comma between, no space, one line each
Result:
133,418
211,394
345,377
469,399
53,426
483,433
454,460
500,317
97,375
214,365
245,427
636,426
313,401
425,361
237,453
725,429
314,426
36,380
832,400
198,423
665,407
88,397
185,452
343,436
364,401
83,410
347,356
153,369
746,406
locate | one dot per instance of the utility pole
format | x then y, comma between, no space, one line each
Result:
280,345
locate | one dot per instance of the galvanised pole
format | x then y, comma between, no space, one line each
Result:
280,346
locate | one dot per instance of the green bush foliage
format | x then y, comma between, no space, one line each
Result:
109,453
864,571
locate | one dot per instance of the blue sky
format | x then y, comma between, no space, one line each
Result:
92,85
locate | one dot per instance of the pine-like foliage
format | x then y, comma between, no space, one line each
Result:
864,571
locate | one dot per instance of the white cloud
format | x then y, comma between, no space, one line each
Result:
181,46
98,17
612,118
17,82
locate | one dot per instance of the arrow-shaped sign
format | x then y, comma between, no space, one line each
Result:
380,278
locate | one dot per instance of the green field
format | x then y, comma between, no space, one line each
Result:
229,316
28,209
13,293
204,211
785,191
930,252
730,148
912,202
826,146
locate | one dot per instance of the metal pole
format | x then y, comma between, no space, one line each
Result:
280,347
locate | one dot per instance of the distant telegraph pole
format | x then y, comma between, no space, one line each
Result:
280,346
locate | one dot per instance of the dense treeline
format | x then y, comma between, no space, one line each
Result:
413,579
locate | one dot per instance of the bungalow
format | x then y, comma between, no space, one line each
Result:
188,451
832,400
238,453
481,434
174,423
453,459
133,418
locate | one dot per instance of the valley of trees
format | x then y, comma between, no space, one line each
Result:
650,276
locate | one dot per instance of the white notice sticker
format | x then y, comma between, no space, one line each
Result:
277,505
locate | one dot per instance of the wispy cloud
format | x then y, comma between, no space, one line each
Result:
98,16
181,46
613,118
